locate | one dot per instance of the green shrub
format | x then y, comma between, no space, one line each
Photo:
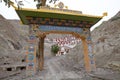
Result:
55,48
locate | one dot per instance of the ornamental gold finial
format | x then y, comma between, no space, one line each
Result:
61,5
105,14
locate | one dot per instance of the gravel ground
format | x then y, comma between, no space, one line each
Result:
54,69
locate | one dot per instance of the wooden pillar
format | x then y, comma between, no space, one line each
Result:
41,53
88,51
31,52
86,58
91,53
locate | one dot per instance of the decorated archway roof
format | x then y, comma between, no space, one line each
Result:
60,15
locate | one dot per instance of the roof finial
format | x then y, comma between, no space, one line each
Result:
105,14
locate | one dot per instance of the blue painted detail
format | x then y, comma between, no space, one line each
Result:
61,28
90,48
31,49
32,44
47,23
89,38
91,62
32,37
91,55
31,64
30,56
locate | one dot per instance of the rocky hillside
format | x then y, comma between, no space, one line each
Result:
9,38
106,39
23,29
11,41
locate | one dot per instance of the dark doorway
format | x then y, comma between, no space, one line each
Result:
9,69
22,68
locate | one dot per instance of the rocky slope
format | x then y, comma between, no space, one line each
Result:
23,29
9,38
11,42
106,40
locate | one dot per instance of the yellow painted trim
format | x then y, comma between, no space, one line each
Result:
86,58
59,12
62,32
35,59
105,14
21,22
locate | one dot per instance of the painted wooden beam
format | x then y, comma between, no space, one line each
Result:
86,57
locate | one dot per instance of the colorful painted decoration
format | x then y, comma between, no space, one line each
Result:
91,61
89,38
31,49
61,28
32,37
30,64
91,55
58,22
90,48
30,57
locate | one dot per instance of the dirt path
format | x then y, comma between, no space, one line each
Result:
54,69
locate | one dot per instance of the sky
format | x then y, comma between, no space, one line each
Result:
91,7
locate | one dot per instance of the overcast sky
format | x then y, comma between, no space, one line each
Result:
92,7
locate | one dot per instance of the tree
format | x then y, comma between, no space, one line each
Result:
39,2
53,1
7,2
43,2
